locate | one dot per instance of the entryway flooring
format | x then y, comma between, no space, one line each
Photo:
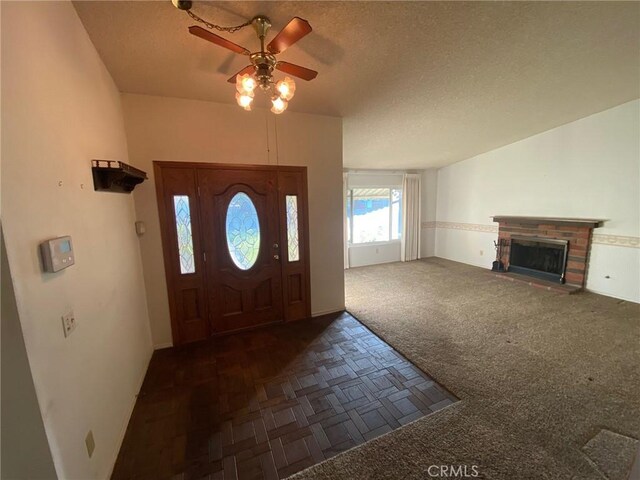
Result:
271,402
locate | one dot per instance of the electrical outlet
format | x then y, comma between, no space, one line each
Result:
68,323
90,443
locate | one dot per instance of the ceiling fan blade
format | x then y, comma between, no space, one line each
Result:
297,70
218,40
247,69
294,31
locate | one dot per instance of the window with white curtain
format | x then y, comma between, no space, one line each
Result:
374,215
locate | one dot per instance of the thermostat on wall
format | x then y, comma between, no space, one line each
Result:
57,253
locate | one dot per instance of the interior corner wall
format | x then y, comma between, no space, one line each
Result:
25,451
589,168
60,109
172,129
429,198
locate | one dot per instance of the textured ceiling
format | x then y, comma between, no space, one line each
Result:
419,84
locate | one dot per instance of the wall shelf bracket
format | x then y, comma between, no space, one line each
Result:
115,176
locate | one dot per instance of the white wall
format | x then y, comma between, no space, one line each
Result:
589,168
171,129
373,254
60,109
429,198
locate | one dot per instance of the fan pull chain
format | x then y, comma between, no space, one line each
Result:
213,26
275,123
266,121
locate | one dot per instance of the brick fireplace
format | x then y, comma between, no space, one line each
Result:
546,252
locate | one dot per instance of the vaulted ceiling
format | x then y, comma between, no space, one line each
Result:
419,84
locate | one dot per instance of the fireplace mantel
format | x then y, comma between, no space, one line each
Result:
567,222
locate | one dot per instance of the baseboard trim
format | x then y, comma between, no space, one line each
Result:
160,346
327,312
611,295
128,417
479,265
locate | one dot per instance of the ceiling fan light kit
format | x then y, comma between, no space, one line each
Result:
245,100
278,105
263,62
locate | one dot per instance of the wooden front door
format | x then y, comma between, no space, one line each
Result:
241,258
240,235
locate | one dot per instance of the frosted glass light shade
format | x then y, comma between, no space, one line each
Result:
245,84
245,100
286,88
279,105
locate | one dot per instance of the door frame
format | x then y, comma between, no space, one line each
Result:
167,240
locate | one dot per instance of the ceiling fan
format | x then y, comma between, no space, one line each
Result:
263,62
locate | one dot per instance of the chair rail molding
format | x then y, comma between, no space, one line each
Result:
599,238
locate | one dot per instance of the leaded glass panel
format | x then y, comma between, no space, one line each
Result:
243,231
183,229
292,228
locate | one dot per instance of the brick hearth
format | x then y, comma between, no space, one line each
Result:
576,231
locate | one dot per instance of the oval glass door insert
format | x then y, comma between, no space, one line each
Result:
243,231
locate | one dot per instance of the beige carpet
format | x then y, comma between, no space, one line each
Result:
538,373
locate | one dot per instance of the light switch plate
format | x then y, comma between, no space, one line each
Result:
68,323
90,443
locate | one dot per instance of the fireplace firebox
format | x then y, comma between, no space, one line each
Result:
543,258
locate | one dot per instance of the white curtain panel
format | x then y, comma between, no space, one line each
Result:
345,181
410,249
